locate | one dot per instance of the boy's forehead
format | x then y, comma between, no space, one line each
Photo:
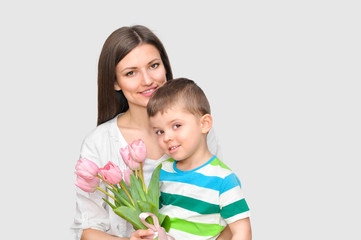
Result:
170,112
173,108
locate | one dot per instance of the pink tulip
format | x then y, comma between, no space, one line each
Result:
138,151
86,169
87,185
111,173
128,159
126,173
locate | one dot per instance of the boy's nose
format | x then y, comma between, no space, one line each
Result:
167,137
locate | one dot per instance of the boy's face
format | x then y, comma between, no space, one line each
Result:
179,133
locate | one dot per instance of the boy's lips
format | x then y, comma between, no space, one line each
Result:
173,149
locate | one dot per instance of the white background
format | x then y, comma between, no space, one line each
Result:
283,79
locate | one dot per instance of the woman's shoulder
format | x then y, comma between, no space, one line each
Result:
98,145
103,131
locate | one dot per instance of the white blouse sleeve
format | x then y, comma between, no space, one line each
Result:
90,209
101,146
213,144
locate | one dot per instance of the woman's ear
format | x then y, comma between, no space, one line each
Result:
116,86
206,123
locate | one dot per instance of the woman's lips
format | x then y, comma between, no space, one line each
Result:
148,92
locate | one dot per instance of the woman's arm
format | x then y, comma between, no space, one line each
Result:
91,211
93,234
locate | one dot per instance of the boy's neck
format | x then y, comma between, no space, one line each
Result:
194,161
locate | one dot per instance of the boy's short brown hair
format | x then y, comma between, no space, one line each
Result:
180,90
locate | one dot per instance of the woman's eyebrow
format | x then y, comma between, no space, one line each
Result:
132,68
127,69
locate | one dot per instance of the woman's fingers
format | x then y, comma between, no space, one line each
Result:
142,234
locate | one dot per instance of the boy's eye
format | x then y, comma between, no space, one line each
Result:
176,126
154,65
131,73
159,132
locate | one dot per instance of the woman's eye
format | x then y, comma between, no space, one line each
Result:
176,126
154,65
131,73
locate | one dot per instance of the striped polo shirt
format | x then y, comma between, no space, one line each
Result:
200,202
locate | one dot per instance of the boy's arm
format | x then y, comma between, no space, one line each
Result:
226,234
241,229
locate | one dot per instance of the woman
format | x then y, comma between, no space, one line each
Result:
132,65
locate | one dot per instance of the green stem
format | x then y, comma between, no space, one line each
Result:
107,194
107,182
126,191
142,178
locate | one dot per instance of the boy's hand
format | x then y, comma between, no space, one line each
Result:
142,234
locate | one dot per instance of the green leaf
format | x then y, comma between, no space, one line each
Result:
120,198
122,192
139,186
131,215
164,221
136,189
110,204
147,207
153,187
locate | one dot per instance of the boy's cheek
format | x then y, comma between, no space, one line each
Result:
161,144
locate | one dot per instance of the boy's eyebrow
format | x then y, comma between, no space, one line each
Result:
175,120
170,122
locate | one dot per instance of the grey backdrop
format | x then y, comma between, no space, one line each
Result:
283,79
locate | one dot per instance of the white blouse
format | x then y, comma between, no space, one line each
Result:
101,146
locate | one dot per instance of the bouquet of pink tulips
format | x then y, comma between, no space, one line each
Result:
131,196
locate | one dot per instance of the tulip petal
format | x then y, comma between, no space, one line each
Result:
138,150
87,185
86,168
111,173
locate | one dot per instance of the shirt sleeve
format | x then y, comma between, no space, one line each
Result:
213,144
232,200
91,209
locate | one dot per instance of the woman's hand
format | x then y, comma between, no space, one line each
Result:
142,234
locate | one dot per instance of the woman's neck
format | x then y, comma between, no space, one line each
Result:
137,117
134,124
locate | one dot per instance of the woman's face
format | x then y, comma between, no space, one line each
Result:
139,74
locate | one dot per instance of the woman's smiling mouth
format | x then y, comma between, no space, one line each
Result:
148,92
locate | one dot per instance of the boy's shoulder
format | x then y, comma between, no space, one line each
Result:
217,162
216,168
168,164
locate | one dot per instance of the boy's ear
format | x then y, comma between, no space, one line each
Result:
206,123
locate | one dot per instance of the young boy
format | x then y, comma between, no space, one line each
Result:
199,193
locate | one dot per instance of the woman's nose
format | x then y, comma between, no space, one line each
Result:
146,78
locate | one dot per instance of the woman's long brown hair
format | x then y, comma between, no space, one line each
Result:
115,48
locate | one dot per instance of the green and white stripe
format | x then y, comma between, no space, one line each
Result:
201,202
